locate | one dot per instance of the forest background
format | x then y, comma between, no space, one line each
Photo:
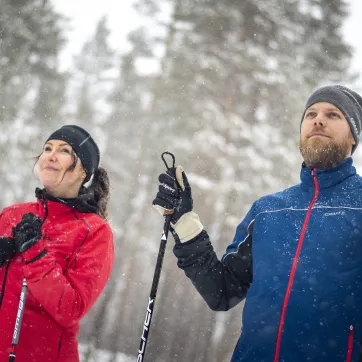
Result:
221,84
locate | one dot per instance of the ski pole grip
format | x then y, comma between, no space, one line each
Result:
165,162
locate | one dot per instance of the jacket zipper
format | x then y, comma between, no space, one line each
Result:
59,345
2,293
350,343
294,267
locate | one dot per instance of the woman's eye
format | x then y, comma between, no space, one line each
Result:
47,149
65,150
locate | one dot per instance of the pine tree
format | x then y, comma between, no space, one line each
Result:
93,79
30,41
31,86
123,161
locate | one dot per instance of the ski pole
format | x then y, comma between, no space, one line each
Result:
156,276
19,320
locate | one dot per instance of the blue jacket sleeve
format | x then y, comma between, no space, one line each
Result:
222,283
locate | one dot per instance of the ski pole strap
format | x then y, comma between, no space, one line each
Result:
165,162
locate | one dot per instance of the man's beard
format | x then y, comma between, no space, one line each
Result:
320,152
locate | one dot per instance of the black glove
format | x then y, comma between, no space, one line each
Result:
7,249
174,194
28,232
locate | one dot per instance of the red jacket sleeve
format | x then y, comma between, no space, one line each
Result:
67,298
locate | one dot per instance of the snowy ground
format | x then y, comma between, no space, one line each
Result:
89,355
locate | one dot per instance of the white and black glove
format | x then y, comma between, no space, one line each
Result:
174,198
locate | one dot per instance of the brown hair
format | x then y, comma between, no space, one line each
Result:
100,187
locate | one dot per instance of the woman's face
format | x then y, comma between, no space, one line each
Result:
55,170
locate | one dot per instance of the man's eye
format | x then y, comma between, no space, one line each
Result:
334,114
309,114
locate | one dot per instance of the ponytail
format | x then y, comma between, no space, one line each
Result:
100,186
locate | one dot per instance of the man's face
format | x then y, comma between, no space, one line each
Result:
325,139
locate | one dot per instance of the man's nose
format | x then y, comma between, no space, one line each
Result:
320,120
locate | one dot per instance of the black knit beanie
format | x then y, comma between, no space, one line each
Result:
83,145
346,100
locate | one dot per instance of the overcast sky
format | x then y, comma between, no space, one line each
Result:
352,33
83,16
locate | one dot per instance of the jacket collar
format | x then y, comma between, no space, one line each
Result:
329,177
85,202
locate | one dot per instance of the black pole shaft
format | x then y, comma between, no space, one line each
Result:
152,297
19,319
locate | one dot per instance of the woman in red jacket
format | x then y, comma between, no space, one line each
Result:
62,245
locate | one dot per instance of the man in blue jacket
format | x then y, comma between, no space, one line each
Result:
297,255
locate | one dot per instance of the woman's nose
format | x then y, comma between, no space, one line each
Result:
51,156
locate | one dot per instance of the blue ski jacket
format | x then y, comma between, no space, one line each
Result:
297,258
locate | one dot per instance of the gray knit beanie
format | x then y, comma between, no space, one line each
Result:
346,100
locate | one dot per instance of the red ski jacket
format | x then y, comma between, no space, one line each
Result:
65,271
